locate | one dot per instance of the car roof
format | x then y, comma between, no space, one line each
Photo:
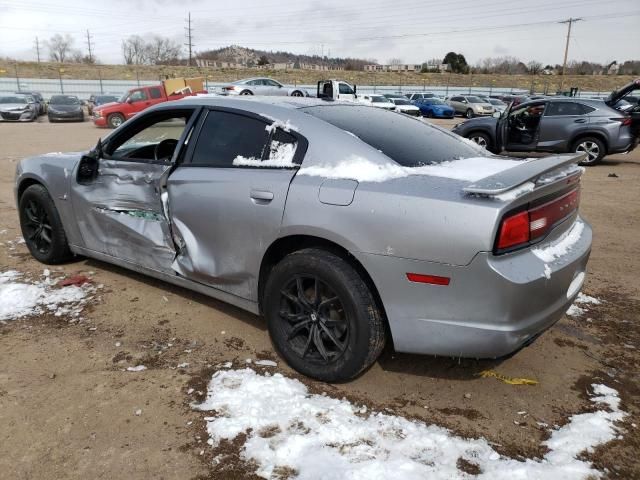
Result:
249,102
243,80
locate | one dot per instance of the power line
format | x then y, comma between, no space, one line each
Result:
569,22
189,32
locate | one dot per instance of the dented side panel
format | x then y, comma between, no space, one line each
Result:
121,213
223,220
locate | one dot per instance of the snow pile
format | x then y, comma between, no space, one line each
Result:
280,155
19,299
321,437
363,170
562,246
575,310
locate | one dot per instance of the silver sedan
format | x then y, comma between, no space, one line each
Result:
344,225
262,86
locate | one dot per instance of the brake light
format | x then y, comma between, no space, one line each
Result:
230,87
522,228
624,121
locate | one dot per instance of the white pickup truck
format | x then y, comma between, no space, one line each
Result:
336,90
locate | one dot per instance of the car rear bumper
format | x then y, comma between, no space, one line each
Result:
492,307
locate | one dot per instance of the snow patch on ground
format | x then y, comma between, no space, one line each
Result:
576,311
562,246
321,437
20,299
364,170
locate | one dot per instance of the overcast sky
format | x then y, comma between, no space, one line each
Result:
411,30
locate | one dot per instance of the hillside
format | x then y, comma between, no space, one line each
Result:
596,83
251,57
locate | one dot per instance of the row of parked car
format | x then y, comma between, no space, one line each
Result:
28,106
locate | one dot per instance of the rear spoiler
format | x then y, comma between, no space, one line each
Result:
540,171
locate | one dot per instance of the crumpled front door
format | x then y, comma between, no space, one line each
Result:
121,213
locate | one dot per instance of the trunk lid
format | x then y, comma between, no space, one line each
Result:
616,95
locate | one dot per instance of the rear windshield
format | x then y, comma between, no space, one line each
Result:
410,142
379,100
18,99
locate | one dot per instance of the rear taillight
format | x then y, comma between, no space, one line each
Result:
524,227
624,121
230,87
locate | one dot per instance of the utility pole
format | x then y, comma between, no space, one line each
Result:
566,48
38,49
89,47
189,32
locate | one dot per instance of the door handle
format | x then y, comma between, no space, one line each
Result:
261,196
580,120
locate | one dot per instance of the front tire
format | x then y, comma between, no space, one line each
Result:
297,93
482,139
593,147
322,317
41,227
469,113
246,92
115,120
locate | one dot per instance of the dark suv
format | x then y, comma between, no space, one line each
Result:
560,125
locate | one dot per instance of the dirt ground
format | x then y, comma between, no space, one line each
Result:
68,407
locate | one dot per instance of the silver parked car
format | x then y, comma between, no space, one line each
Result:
262,86
17,107
345,226
470,106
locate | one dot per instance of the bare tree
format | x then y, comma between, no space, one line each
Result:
60,47
134,50
162,51
534,67
395,61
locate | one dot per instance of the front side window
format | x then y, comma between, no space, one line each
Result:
155,139
226,136
138,95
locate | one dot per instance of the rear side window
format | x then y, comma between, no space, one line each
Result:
155,92
226,136
405,140
564,108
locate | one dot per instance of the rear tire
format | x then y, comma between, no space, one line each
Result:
41,226
593,147
322,317
115,120
297,93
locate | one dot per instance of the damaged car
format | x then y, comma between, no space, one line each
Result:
18,107
346,227
560,125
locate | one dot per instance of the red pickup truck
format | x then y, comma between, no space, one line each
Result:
137,99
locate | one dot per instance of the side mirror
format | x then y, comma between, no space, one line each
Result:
129,100
464,101
89,164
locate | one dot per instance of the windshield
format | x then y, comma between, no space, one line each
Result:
64,100
434,101
495,101
475,100
13,99
379,100
101,99
408,141
399,101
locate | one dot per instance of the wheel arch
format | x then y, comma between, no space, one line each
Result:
25,183
283,246
590,133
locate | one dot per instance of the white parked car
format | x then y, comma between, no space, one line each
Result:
405,106
375,100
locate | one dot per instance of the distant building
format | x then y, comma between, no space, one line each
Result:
406,68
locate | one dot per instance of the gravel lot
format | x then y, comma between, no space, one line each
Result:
69,408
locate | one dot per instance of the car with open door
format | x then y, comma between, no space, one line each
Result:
560,125
320,217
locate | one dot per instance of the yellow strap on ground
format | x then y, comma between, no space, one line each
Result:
505,379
